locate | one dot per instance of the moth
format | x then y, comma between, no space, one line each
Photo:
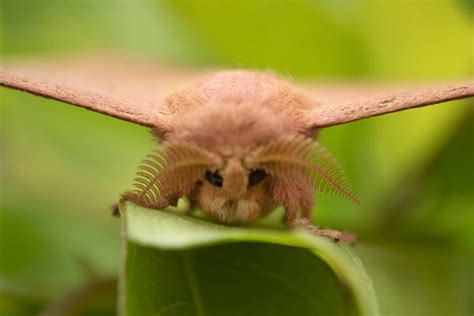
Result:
236,143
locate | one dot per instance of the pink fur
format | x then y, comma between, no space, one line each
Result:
231,114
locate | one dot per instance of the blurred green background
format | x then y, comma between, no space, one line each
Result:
62,167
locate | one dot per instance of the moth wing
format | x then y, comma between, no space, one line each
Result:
117,87
334,105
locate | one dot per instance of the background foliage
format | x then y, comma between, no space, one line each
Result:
61,167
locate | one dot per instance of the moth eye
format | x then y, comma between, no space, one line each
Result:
256,176
214,178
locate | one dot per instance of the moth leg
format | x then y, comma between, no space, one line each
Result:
307,206
162,203
335,235
291,210
158,205
290,216
172,201
307,203
165,201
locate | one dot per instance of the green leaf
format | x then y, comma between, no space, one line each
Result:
181,265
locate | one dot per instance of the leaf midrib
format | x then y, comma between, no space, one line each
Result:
193,283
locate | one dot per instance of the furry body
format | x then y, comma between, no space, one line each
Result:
237,145
230,114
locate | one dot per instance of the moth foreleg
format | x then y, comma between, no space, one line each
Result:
290,216
335,235
159,204
307,206
163,203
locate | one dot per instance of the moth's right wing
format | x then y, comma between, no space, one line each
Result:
116,87
339,104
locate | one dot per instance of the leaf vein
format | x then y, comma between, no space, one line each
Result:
274,277
191,275
175,305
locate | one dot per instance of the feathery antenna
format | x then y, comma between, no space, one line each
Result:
168,173
297,158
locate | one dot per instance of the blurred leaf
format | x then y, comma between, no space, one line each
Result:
435,201
69,26
179,265
288,37
96,297
403,39
16,301
419,279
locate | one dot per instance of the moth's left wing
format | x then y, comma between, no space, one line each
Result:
113,86
334,105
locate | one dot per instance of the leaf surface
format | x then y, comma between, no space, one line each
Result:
181,265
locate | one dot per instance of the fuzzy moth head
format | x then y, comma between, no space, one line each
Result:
238,186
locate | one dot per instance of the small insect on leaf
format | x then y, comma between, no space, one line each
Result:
169,172
300,159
